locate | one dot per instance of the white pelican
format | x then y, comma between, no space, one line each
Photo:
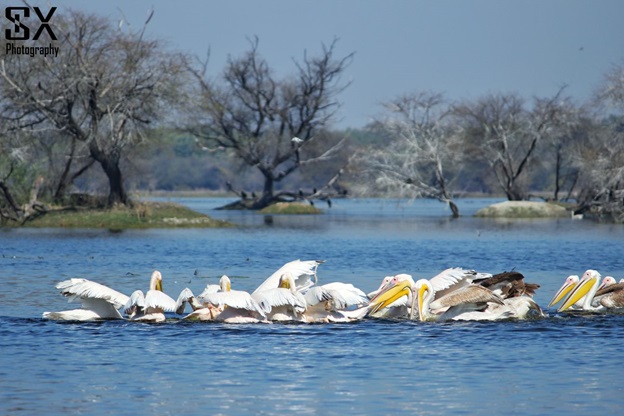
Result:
302,272
611,294
444,282
468,302
152,306
587,288
98,301
569,284
283,303
227,305
328,303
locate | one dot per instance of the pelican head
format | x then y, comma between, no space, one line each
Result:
398,287
156,281
569,284
225,284
589,280
287,281
607,281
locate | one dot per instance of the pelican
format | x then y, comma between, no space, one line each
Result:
151,306
443,283
98,301
227,305
302,272
569,284
329,303
611,294
471,301
593,301
283,303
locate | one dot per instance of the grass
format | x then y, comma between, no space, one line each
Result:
142,215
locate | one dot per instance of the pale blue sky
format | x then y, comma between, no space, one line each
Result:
464,48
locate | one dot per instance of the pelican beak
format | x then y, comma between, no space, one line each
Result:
579,291
563,290
421,297
159,285
389,295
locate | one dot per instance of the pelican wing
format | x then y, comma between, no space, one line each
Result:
454,278
614,299
103,308
160,300
135,302
508,284
471,294
303,273
209,289
316,295
86,289
237,299
611,288
345,294
273,298
185,296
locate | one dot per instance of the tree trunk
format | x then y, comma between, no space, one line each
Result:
267,193
117,193
454,209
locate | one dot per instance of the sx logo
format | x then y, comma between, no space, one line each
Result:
20,30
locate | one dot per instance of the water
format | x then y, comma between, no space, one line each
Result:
557,365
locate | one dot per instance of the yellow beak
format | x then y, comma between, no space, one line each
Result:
563,290
159,285
421,297
579,291
388,296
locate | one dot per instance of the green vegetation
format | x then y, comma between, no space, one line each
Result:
141,215
290,208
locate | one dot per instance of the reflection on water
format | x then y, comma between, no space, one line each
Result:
368,367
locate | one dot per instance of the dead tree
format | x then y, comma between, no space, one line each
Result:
271,124
423,157
101,91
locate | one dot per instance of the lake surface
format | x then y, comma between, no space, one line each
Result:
556,365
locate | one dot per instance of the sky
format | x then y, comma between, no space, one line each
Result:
462,48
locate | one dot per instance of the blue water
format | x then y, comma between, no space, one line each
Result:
557,365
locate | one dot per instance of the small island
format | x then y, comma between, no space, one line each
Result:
523,209
140,215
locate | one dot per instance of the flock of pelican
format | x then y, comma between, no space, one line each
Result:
292,294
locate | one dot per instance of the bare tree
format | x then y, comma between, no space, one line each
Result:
602,155
104,87
272,124
506,134
423,157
